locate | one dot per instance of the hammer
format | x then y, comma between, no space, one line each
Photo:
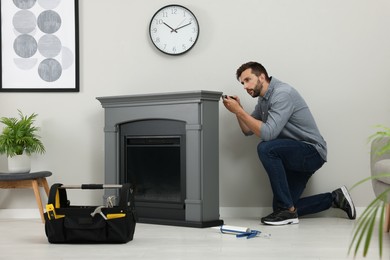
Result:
98,210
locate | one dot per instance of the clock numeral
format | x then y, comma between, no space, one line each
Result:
165,14
174,11
174,49
184,47
157,40
158,21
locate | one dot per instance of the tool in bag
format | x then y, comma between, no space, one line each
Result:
66,223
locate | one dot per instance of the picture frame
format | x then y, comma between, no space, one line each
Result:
39,46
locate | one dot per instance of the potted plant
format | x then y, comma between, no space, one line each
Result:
19,140
375,211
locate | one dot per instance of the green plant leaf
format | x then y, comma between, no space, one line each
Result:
366,222
381,223
20,135
365,225
370,224
378,176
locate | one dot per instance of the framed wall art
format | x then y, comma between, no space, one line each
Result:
39,46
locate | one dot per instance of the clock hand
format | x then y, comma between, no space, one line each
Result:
181,22
173,30
182,26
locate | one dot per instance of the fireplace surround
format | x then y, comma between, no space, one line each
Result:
166,144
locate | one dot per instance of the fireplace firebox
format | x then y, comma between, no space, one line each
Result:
167,146
152,158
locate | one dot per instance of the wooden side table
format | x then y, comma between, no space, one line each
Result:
32,180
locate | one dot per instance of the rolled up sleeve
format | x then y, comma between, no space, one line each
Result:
279,113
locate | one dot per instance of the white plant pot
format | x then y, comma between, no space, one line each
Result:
19,164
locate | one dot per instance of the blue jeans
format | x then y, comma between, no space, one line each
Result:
289,165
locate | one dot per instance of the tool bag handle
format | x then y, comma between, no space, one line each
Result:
92,186
57,196
60,199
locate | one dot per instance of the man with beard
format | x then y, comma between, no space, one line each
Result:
291,147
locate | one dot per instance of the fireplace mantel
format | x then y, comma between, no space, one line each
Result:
160,98
200,112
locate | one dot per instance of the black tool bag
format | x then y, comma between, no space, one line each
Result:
89,224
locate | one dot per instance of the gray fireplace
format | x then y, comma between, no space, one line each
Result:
166,145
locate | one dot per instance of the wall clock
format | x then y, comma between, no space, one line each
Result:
174,29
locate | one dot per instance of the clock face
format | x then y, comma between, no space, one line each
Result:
174,29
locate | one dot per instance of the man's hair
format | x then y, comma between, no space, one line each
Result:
256,67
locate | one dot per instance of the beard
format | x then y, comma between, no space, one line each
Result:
255,92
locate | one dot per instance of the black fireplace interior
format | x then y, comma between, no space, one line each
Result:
153,160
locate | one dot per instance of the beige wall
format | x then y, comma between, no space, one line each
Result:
336,53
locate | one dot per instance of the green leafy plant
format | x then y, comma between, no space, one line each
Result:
375,211
19,135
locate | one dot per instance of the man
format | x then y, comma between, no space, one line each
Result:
291,147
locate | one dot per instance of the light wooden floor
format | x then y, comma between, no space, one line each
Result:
312,238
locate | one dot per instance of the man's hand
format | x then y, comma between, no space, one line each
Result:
248,124
232,103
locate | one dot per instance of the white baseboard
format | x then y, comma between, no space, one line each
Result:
225,212
242,212
19,214
258,212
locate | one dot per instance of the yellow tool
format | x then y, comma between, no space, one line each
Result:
116,215
51,213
